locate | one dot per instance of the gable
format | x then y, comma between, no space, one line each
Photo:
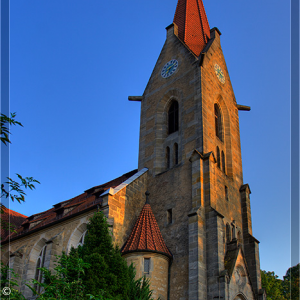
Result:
239,279
173,48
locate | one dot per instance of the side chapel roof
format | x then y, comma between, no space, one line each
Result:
65,209
192,23
146,235
12,219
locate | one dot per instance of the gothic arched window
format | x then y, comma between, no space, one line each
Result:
218,158
175,154
168,157
40,264
81,241
173,117
218,122
223,162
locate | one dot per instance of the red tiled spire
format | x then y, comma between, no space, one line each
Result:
146,235
193,27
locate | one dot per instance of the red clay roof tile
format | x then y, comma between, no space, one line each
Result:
193,27
146,235
13,218
72,206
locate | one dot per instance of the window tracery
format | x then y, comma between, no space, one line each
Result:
81,240
40,264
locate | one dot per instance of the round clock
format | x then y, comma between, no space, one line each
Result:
169,68
219,73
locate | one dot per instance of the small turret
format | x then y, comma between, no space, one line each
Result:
146,249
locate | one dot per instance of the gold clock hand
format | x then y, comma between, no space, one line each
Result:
169,69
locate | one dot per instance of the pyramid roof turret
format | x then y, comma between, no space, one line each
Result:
146,235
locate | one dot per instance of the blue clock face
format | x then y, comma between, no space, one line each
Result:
169,68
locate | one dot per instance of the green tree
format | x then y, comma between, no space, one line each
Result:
12,189
94,271
65,283
138,289
272,285
291,283
9,282
108,271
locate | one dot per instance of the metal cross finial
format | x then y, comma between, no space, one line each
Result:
147,197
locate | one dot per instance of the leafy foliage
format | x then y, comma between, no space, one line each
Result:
12,189
272,285
16,191
65,283
291,283
8,279
277,289
109,271
4,127
95,270
138,289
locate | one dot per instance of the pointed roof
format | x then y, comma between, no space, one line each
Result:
192,23
146,235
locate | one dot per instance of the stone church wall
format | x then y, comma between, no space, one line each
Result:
158,273
25,250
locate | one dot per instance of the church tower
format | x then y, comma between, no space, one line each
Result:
190,144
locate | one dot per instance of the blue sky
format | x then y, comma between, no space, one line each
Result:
74,63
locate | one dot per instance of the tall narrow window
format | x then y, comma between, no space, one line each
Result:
226,192
146,265
169,216
218,122
175,154
40,264
168,158
173,117
228,231
218,158
223,162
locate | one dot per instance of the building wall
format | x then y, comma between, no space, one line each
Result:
213,91
122,208
240,282
27,248
158,275
194,189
